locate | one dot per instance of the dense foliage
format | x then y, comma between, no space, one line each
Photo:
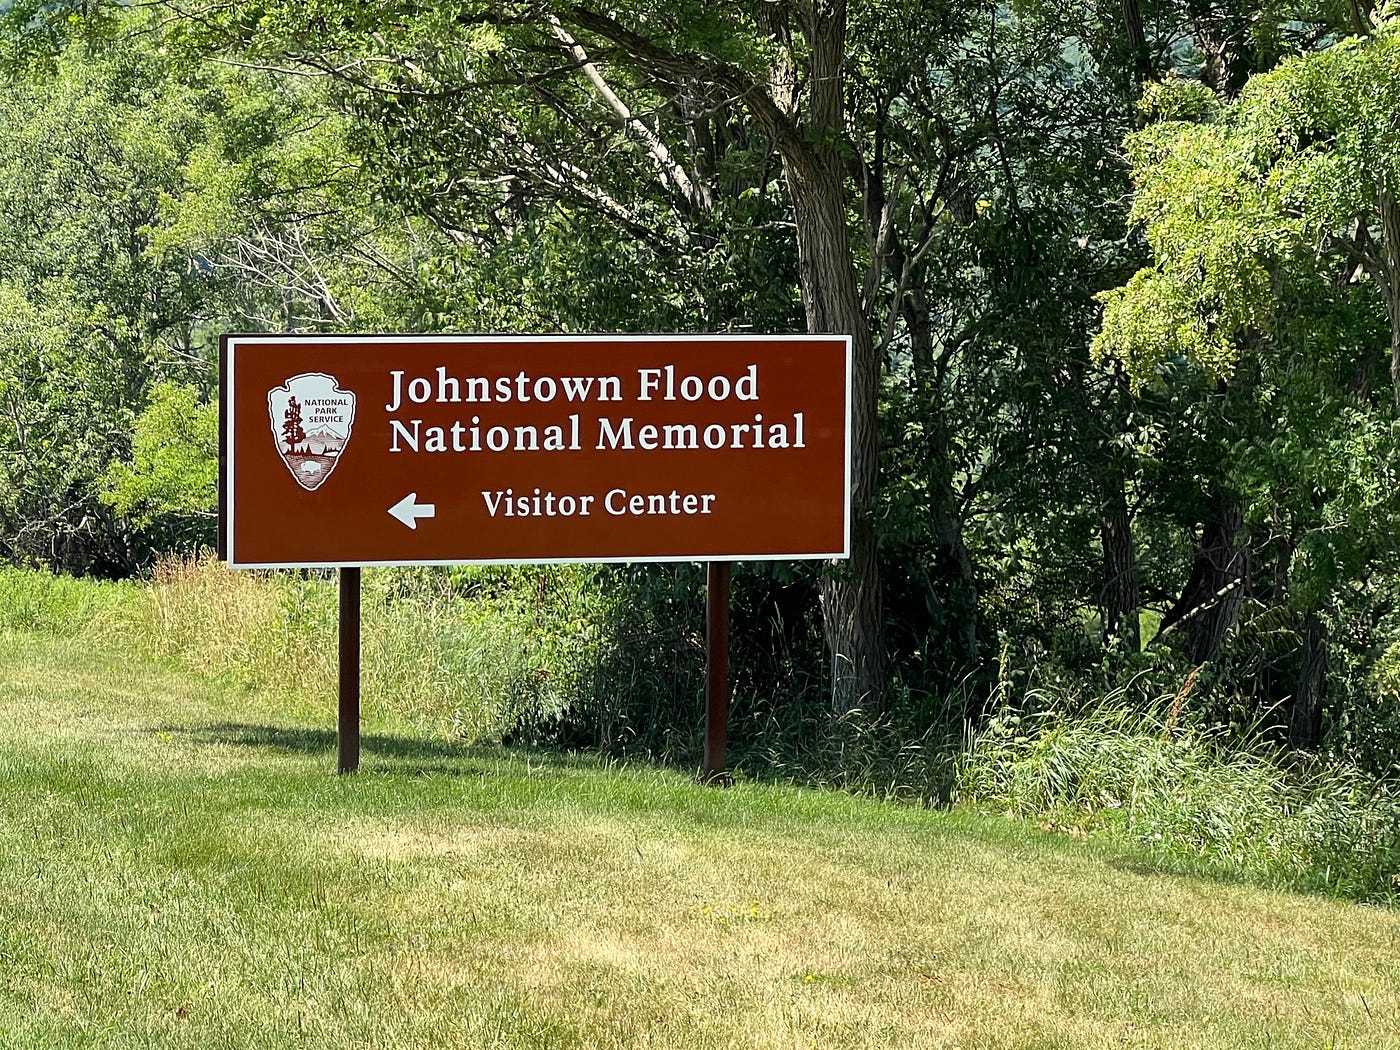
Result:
1124,412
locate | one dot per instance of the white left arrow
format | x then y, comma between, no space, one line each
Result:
408,510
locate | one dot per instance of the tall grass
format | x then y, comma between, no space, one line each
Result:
1199,803
429,659
904,754
59,605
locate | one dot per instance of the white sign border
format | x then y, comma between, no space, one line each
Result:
227,349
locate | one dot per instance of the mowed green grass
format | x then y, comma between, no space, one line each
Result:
180,868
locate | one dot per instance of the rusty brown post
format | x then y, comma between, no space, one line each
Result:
716,670
348,724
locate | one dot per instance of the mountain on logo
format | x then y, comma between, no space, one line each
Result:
329,441
310,455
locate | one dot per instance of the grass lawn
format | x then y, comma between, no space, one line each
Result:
179,868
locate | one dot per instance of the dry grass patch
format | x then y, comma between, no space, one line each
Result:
640,930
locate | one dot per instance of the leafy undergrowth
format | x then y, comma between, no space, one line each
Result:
179,868
1196,802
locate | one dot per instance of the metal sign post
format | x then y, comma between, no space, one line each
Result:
348,723
716,670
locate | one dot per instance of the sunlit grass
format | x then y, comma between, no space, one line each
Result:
179,868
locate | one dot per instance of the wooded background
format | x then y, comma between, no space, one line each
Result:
1123,279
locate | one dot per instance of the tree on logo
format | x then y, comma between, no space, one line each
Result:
292,433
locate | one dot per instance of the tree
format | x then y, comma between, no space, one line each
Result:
292,433
886,139
167,487
92,314
1273,230
518,102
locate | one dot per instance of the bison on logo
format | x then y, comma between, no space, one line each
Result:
311,419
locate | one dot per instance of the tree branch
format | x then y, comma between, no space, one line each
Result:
730,79
696,196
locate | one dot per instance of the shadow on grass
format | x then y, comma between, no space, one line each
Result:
380,752
1321,881
1154,866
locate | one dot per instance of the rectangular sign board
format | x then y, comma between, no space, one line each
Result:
433,450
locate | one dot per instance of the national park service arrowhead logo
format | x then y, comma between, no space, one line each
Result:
311,418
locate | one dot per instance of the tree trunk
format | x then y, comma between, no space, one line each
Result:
1227,47
952,581
1214,593
952,564
809,139
1121,597
1390,245
1137,41
1305,722
1224,559
850,593
953,577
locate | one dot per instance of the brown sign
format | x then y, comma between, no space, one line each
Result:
414,450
